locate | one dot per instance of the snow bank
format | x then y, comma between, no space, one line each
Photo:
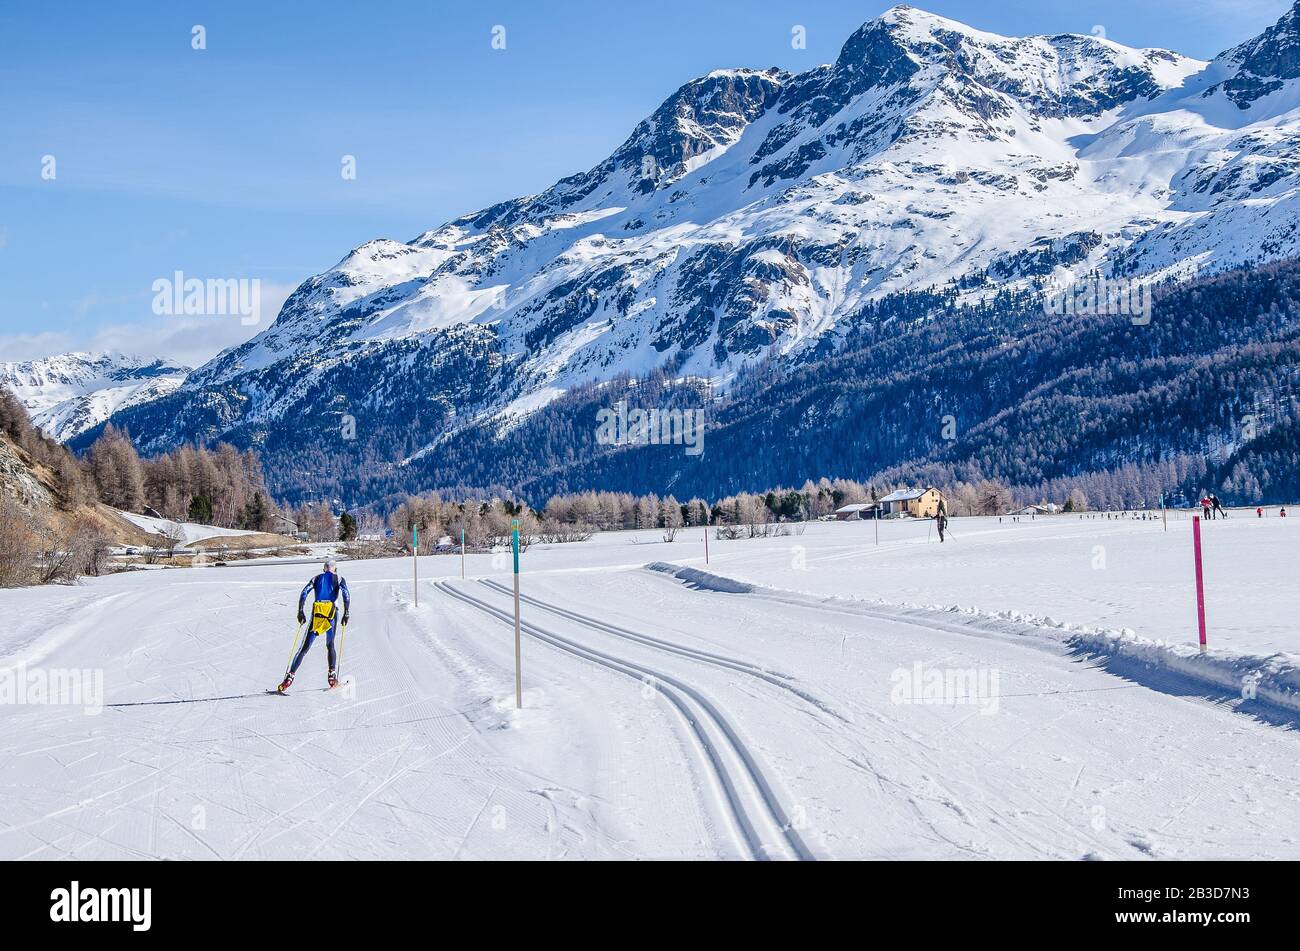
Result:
189,531
1273,679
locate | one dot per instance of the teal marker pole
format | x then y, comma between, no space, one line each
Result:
415,560
519,678
462,554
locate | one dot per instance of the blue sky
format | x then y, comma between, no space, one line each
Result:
225,162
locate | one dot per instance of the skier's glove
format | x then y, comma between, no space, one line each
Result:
302,618
345,618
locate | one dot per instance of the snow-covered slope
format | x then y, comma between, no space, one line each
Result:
758,208
1224,151
70,393
187,532
755,210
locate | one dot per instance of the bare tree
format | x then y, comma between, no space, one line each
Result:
94,545
19,545
670,516
173,536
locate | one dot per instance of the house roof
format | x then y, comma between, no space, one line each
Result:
904,495
855,507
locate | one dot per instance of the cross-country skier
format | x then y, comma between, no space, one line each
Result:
325,589
1218,506
941,519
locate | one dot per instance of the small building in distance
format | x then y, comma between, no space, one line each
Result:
858,510
1050,508
914,503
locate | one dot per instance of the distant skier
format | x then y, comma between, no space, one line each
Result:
941,519
1218,506
1207,508
1259,512
325,589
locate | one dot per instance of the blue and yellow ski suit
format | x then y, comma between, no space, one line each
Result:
324,619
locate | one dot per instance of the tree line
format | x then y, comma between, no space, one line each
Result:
221,486
50,530
577,516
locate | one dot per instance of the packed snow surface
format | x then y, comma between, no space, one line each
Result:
772,703
189,532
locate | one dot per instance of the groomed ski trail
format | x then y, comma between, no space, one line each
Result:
776,679
759,821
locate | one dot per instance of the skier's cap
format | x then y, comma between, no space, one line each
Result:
331,563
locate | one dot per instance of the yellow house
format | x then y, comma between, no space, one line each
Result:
917,503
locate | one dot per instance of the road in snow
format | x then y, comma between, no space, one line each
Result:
663,718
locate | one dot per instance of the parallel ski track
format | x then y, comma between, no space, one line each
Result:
764,829
846,608
783,681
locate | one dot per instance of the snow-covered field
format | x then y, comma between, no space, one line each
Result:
188,532
1112,574
802,699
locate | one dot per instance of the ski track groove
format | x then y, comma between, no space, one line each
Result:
920,744
254,838
776,679
694,707
394,773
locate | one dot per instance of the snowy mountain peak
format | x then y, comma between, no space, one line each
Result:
758,213
1066,74
72,392
694,125
704,115
1262,66
913,26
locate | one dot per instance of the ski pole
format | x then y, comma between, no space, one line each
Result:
293,650
343,632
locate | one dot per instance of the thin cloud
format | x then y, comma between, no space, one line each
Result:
187,341
15,348
192,341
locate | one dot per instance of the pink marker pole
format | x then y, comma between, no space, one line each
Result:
1200,580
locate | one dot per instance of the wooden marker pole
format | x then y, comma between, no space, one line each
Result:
519,678
706,543
462,554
